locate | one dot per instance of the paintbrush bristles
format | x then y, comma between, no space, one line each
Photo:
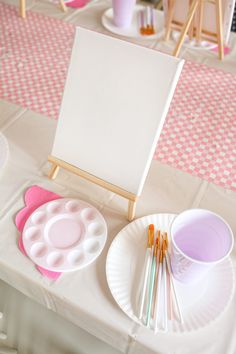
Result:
150,235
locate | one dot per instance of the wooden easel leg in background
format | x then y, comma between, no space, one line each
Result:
191,27
63,6
22,8
169,19
54,171
186,26
199,21
131,210
219,26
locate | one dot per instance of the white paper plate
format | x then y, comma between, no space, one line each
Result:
4,151
193,44
133,30
64,235
201,302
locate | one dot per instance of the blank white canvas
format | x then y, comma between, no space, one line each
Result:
115,101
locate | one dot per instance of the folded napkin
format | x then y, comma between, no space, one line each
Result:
226,50
76,4
35,196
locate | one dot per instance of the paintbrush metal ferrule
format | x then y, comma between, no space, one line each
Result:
161,256
166,239
158,239
157,244
164,247
155,250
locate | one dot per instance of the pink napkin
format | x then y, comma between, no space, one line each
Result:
75,4
226,50
35,196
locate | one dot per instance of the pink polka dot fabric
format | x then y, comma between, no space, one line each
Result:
199,135
35,55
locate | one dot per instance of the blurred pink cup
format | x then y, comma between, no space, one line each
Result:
123,12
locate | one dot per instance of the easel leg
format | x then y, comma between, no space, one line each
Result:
22,8
219,28
186,26
63,6
131,210
54,170
191,27
169,19
199,21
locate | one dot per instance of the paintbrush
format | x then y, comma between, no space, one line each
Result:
158,292
172,287
147,266
152,279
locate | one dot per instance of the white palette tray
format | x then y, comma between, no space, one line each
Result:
193,44
64,235
201,302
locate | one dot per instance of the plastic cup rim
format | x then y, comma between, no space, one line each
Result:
196,260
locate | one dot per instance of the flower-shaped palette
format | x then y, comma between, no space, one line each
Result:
64,235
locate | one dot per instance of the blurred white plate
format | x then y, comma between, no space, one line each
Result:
201,302
133,30
4,151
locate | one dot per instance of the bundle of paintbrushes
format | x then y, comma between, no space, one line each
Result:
146,19
158,301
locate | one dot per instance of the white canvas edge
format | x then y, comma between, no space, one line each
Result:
162,121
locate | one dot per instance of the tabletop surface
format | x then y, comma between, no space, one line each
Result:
83,297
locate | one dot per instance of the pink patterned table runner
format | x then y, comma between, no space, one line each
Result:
199,136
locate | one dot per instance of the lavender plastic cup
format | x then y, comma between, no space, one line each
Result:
200,240
123,12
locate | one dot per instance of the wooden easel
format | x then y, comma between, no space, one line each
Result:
196,9
23,7
57,164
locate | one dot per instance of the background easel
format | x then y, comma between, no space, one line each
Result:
23,7
194,28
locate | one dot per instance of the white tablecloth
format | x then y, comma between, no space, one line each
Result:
83,297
